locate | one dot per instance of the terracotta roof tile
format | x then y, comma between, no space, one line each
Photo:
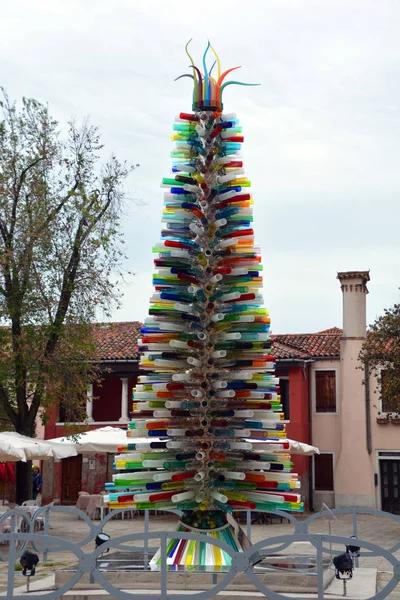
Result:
118,341
305,346
332,330
283,351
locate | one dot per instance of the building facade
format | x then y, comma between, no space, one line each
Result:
325,401
106,404
110,404
359,464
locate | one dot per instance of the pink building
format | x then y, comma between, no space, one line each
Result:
359,463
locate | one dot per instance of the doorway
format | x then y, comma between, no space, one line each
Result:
390,496
71,479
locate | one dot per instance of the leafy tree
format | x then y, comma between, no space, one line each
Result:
60,250
381,354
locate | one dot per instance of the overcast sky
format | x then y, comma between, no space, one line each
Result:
322,133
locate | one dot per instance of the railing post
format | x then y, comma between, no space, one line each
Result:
46,532
356,562
320,569
163,573
12,555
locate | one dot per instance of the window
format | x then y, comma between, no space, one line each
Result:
389,391
325,391
284,393
323,472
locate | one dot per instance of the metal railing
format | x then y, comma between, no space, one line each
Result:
22,533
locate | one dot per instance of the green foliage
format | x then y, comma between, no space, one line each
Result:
59,251
381,353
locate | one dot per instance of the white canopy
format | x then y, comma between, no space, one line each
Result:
14,447
61,450
107,439
302,448
294,446
104,439
9,453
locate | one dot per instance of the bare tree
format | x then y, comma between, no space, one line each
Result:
59,251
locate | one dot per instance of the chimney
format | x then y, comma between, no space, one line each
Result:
354,288
354,472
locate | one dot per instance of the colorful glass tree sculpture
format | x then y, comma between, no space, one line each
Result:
209,407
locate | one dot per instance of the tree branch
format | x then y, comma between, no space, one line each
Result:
17,192
45,300
63,305
59,206
4,402
65,298
3,231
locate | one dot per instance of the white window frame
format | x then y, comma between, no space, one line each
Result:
333,467
314,394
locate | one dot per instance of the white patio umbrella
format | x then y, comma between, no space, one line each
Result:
8,453
61,450
294,446
27,448
104,439
107,439
302,448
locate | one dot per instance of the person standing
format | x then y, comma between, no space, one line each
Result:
36,482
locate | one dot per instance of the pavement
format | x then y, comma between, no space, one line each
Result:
373,572
355,591
363,585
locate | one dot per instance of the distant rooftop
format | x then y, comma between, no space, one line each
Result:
307,346
118,341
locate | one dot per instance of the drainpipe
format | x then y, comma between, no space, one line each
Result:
367,410
306,363
310,460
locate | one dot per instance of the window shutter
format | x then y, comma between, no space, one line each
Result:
325,391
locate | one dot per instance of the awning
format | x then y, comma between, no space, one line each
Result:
14,447
294,446
107,439
302,448
9,453
104,439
